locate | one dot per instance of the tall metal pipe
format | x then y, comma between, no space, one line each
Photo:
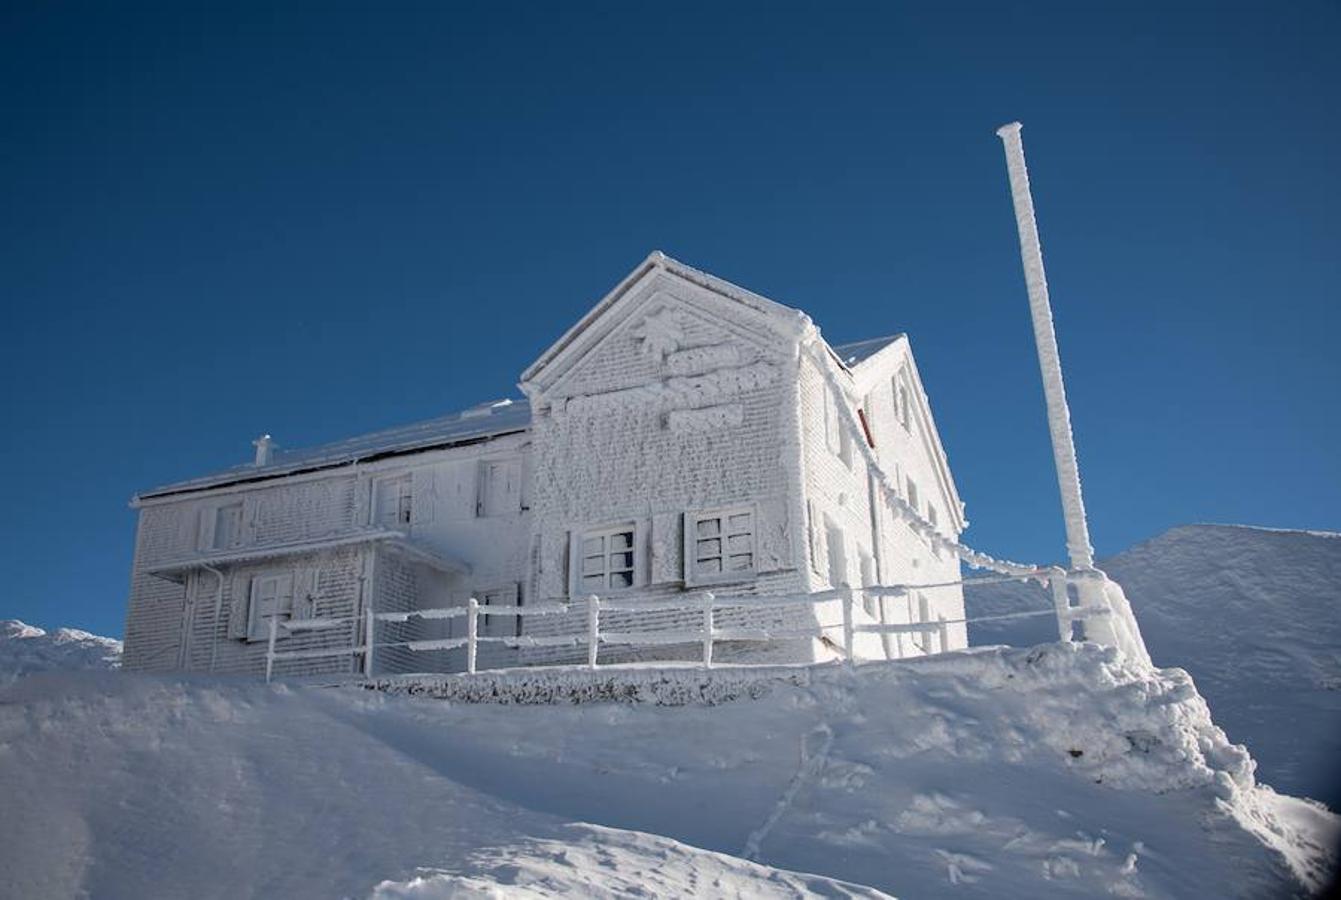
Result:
1045,338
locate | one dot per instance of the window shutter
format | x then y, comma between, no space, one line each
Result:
288,594
642,543
574,543
304,592
363,502
818,550
205,530
238,591
247,531
423,497
667,549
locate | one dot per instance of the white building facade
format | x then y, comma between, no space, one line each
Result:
685,436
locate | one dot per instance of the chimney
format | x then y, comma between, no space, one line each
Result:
263,445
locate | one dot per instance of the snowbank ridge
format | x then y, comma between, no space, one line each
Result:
1060,770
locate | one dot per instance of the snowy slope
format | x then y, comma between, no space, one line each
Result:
27,650
1252,614
1057,771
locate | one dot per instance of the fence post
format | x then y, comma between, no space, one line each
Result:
369,626
593,629
848,635
708,599
270,648
472,632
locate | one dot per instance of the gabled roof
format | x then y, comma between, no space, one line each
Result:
856,353
783,318
476,424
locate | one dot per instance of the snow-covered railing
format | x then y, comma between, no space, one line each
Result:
706,631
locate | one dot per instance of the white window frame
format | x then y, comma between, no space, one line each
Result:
258,625
404,485
722,516
579,558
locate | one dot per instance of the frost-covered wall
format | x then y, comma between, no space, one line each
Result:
465,505
853,538
681,402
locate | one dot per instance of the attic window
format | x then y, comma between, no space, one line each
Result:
605,560
720,546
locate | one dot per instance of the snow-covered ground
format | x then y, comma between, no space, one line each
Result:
1055,771
1252,614
27,650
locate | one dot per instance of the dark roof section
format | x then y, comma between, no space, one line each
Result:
858,352
480,423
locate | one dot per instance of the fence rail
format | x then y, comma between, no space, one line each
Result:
842,635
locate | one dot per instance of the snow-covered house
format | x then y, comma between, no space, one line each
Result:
685,435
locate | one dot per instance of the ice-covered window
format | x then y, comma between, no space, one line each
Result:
900,389
394,497
836,433
220,527
931,515
499,487
719,545
923,638
914,499
500,625
271,597
606,560
868,602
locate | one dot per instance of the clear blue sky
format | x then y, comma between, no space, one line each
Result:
224,220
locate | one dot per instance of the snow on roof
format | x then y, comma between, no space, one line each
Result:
475,424
784,317
858,352
478,423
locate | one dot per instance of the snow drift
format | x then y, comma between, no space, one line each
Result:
1059,770
27,650
1251,613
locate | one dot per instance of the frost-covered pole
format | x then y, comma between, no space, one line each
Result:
1108,617
1045,337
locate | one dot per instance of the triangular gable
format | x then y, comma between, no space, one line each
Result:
761,315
